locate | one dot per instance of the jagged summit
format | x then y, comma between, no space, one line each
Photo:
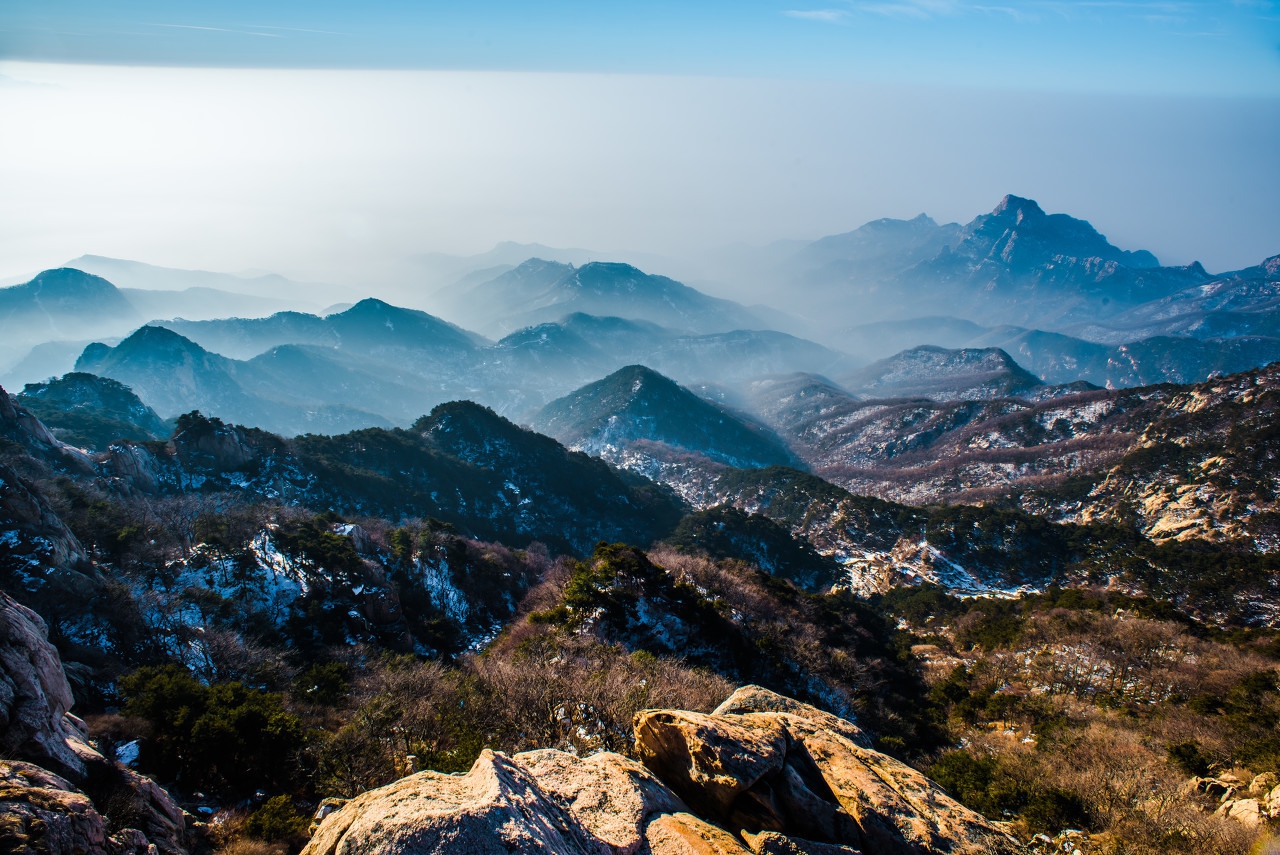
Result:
1022,235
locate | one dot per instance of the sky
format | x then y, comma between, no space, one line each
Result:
331,140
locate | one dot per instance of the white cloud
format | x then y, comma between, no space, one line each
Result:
829,16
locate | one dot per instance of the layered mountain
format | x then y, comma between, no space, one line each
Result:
944,375
871,253
57,305
92,412
175,375
637,404
538,291
252,289
370,328
1240,303
398,363
1060,359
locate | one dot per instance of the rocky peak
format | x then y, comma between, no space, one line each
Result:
1017,208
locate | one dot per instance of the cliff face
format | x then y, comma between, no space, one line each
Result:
762,774
42,808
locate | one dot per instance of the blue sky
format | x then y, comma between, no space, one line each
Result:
1174,47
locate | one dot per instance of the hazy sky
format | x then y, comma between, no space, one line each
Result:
665,128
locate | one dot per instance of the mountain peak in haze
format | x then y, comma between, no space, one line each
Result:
1023,236
63,293
537,291
944,375
636,403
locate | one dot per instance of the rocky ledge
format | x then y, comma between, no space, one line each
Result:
762,774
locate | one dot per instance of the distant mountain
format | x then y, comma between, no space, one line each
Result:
538,291
444,271
637,404
60,304
175,375
872,253
369,328
1240,303
202,303
944,375
1058,358
1015,265
44,361
788,402
92,412
149,277
1019,264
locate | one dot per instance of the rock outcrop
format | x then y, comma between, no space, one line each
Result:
35,697
762,775
42,806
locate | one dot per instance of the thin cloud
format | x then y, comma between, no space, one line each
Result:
920,10
221,30
828,16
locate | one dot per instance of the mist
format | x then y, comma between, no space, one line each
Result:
345,176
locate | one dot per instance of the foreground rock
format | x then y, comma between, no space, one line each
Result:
46,804
763,775
35,697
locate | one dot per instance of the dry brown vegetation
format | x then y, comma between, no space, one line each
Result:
1098,720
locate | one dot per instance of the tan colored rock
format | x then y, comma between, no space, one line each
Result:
1271,803
1263,784
685,834
826,788
611,796
326,807
709,760
1245,811
42,812
757,699
897,809
495,809
773,843
761,783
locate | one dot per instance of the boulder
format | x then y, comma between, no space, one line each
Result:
609,795
1272,803
795,773
1246,811
772,843
757,699
494,809
43,812
775,777
710,760
35,697
685,834
1263,784
44,792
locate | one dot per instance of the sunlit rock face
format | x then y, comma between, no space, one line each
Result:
762,774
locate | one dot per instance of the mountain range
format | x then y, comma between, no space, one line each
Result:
538,291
